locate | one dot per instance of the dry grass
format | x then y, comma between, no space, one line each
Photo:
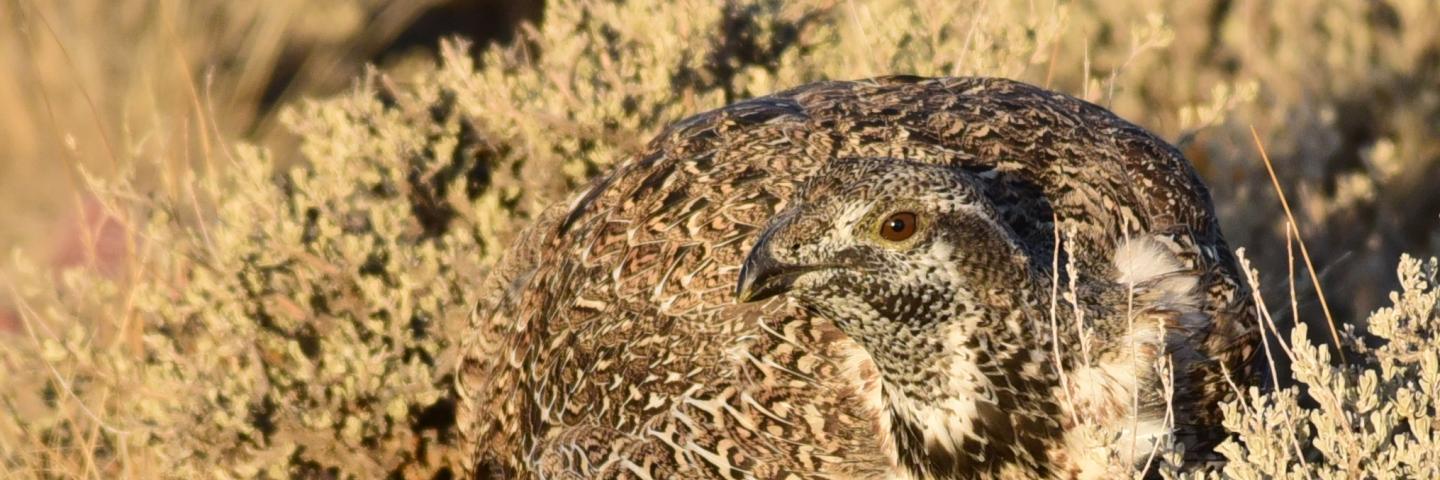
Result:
260,291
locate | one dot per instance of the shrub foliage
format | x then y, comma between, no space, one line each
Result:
300,321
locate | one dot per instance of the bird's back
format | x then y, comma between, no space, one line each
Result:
608,342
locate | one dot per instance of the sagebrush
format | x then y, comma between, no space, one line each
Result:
297,320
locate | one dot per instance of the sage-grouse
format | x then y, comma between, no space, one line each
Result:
891,278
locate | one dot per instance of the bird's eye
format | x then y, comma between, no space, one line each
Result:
898,227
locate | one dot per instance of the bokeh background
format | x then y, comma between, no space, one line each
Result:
106,87
238,236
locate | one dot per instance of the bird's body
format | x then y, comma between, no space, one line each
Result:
610,344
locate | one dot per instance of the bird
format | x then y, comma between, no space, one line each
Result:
895,277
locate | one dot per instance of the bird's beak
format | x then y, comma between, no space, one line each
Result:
762,277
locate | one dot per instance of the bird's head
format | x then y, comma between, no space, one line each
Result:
882,245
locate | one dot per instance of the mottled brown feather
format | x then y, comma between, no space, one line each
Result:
608,343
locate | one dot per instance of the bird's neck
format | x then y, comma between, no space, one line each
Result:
961,384
978,405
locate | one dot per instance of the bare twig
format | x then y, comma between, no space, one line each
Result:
1054,318
1304,252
